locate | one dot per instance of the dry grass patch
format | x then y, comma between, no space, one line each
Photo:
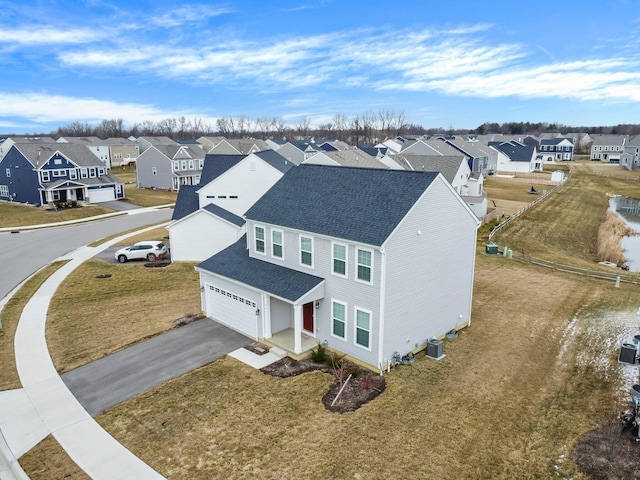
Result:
48,460
147,197
92,317
610,235
510,399
16,215
10,318
564,227
509,197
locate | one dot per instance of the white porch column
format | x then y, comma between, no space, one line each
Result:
266,315
297,329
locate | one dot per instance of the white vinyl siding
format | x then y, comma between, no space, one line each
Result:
306,251
339,319
339,260
363,328
276,243
364,265
259,239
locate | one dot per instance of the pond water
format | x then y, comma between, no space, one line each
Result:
629,211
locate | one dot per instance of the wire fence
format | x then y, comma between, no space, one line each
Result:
617,277
511,218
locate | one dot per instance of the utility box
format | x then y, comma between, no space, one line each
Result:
491,249
627,354
434,348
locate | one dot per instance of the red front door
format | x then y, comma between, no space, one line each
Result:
307,317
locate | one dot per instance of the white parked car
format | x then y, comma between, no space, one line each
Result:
142,250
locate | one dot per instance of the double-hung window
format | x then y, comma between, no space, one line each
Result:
363,328
364,265
339,259
276,243
306,251
259,237
339,315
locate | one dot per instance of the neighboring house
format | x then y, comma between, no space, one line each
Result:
236,182
515,157
244,146
371,262
208,143
381,154
208,218
292,153
456,171
41,173
608,148
168,167
146,142
555,149
345,158
482,159
122,151
630,158
99,147
197,233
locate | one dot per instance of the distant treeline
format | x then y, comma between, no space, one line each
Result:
366,128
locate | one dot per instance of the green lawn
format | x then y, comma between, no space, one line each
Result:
18,215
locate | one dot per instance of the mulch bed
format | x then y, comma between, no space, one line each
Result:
363,387
609,453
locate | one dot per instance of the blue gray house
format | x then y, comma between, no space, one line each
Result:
371,262
40,173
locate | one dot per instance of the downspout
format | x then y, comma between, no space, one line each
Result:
381,313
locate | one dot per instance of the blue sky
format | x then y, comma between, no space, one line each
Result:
444,64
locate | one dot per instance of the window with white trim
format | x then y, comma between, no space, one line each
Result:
200,163
176,166
154,171
184,165
83,173
191,165
339,316
8,172
363,328
4,190
364,264
45,175
306,251
276,243
339,259
73,174
259,239
92,172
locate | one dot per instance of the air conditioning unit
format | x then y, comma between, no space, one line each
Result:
434,348
627,354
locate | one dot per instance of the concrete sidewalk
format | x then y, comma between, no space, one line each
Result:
44,405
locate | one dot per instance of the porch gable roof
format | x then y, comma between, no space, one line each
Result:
235,264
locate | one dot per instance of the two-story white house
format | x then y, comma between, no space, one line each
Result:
608,148
370,262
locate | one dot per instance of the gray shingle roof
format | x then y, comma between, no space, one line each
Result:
186,203
235,263
224,214
276,160
358,204
447,165
37,154
516,152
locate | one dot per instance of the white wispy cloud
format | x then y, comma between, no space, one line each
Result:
49,36
42,107
186,14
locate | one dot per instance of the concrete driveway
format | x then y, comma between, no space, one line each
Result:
125,374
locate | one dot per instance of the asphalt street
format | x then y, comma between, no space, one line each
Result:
125,374
24,253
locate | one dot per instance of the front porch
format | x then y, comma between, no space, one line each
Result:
285,340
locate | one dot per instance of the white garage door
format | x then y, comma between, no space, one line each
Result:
233,310
101,195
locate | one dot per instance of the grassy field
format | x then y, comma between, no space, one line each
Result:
144,197
564,227
516,391
10,317
92,317
17,215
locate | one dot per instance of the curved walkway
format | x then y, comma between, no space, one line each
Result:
46,406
